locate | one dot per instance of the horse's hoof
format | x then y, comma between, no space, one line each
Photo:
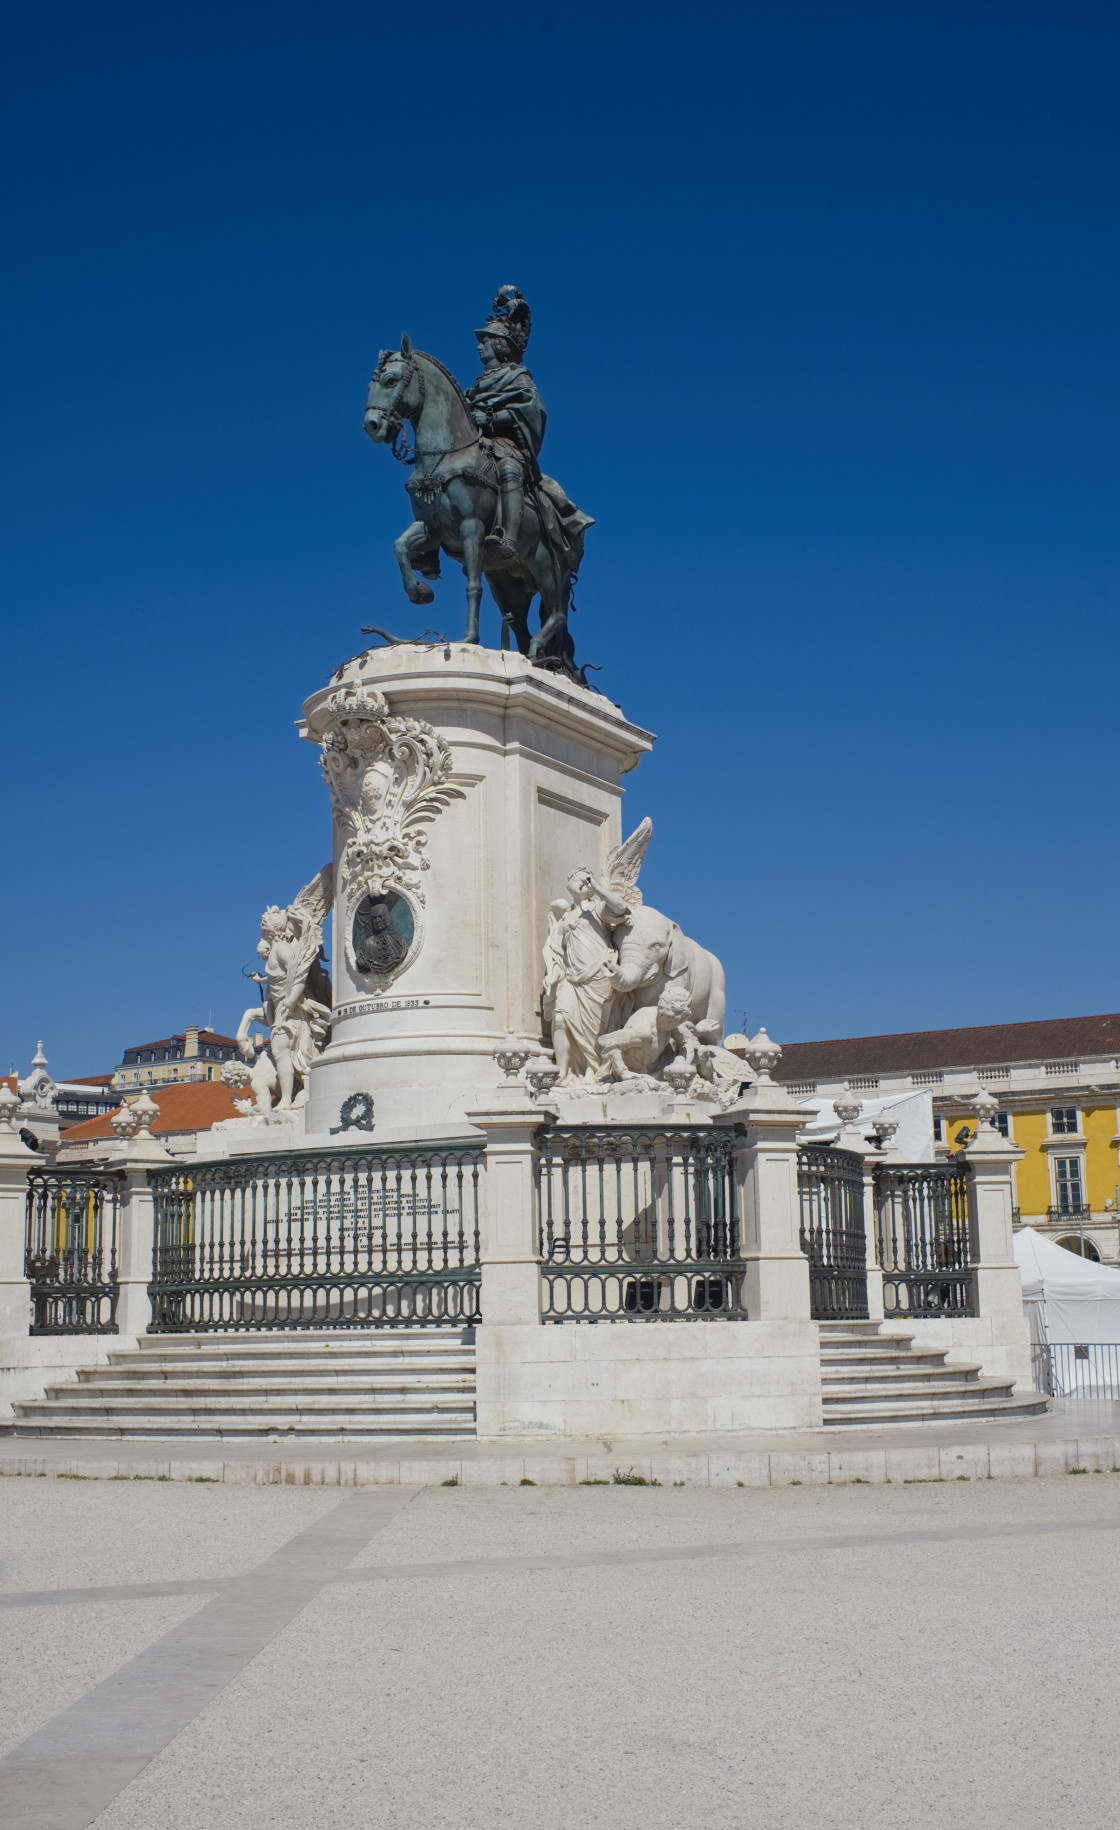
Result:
421,594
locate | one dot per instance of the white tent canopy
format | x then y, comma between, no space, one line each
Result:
1082,1299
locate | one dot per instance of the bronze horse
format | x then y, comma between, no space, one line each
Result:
455,499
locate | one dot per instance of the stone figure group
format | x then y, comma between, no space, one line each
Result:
628,998
295,1005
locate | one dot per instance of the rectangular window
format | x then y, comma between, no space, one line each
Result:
1063,1120
938,1131
1067,1183
1003,1124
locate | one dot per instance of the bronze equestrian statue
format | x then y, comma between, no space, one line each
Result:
477,490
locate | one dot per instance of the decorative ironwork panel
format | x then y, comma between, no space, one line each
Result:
376,1238
922,1239
639,1225
70,1250
830,1184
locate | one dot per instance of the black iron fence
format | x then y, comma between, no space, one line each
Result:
1066,1369
639,1225
70,1250
922,1239
372,1238
830,1184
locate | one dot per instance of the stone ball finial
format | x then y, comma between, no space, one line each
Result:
9,1107
884,1128
763,1055
847,1108
38,1059
986,1107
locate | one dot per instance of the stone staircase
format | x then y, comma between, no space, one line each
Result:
871,1378
385,1383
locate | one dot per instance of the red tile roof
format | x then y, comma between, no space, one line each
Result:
919,1051
190,1106
90,1080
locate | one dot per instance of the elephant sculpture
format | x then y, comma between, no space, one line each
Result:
654,954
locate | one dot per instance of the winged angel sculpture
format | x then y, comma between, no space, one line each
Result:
295,1003
626,993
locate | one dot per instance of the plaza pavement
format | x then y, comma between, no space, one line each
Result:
197,1656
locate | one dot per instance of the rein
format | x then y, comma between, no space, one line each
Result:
401,449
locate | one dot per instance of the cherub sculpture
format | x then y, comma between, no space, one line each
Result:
296,996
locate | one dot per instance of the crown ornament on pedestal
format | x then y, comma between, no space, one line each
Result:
847,1109
511,1055
763,1054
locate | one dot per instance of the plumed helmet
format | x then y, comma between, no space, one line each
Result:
510,319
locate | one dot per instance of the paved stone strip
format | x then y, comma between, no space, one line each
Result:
575,1560
63,1776
1008,1453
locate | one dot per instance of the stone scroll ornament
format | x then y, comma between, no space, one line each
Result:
389,777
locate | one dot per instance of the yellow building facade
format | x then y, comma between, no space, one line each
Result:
1057,1085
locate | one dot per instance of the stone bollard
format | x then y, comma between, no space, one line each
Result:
15,1161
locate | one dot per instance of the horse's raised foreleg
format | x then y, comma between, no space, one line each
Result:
418,535
470,533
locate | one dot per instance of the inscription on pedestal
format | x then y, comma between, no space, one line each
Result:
373,1005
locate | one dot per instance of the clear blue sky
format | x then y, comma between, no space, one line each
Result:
825,305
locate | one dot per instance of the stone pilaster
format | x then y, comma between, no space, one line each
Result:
511,1279
1003,1326
15,1161
777,1284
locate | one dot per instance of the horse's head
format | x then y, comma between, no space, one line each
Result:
396,393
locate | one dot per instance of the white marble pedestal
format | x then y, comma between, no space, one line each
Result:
537,762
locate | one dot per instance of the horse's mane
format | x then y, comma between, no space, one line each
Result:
437,364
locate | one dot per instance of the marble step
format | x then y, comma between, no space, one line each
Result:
867,1343
933,1411
875,1363
83,1398
834,1378
162,1392
184,1425
361,1367
872,1390
385,1344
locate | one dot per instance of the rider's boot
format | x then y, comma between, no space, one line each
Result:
503,539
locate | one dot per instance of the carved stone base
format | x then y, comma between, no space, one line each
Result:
536,768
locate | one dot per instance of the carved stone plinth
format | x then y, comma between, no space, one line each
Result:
467,786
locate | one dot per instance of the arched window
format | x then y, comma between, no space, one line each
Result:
1082,1248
